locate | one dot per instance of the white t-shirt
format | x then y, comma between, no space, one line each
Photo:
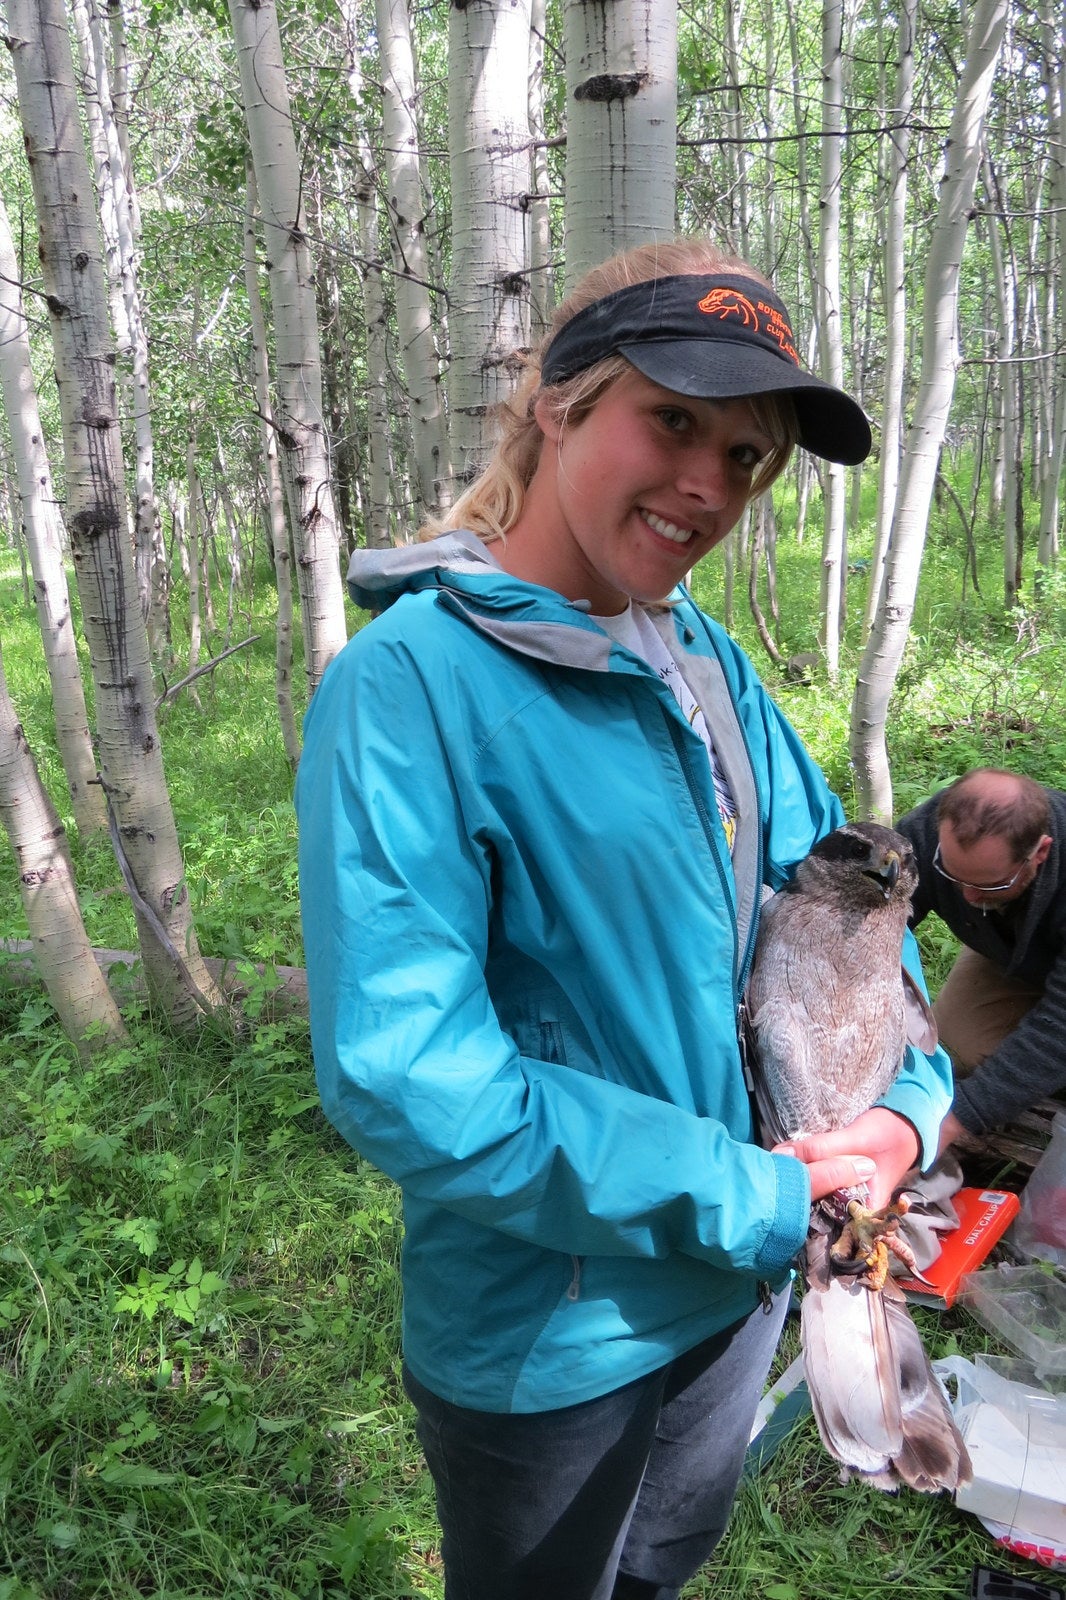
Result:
634,629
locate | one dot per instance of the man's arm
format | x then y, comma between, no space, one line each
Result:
1029,1065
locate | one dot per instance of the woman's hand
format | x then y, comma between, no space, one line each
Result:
876,1149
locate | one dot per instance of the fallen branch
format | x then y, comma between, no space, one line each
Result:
208,666
289,995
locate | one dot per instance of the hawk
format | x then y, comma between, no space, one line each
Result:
830,1012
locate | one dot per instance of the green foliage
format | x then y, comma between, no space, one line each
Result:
198,1331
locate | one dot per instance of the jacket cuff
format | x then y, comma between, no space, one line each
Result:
780,1247
924,1110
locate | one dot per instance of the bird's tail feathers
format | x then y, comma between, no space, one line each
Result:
879,1408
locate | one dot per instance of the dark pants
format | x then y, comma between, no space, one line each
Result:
620,1498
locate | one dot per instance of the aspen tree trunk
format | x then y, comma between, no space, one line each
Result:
805,467
736,152
192,490
406,207
488,141
925,436
541,273
1010,389
621,110
834,549
375,314
379,514
120,102
119,217
804,186
105,190
275,493
298,414
898,143
1054,458
377,518
769,203
130,758
63,954
40,519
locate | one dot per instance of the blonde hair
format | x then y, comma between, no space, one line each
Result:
493,502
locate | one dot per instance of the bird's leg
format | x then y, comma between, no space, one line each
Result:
866,1239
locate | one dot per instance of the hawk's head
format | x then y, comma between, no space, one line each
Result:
862,862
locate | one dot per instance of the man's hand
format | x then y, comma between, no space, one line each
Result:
886,1144
953,1132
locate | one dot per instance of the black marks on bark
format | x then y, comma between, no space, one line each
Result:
37,879
99,521
611,86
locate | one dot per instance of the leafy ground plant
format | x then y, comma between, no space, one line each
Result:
198,1333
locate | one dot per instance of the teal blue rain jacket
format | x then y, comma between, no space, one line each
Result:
526,946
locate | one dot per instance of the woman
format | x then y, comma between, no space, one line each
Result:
539,800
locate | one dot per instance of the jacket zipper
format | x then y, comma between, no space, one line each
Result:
678,737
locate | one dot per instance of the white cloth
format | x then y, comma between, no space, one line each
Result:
634,629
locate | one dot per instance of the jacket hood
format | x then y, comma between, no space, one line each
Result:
378,577
468,580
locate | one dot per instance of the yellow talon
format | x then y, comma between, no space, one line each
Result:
864,1243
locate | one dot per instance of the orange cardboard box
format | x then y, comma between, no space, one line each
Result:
984,1216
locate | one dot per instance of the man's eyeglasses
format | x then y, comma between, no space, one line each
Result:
981,888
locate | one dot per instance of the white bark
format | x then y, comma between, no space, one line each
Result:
377,518
899,142
488,139
120,176
834,553
130,758
736,152
120,102
298,413
63,954
541,270
192,489
275,493
95,113
925,437
1054,458
406,209
40,519
1010,392
621,149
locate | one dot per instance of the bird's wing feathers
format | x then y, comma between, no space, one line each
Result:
921,1024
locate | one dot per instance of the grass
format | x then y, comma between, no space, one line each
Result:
199,1302
199,1391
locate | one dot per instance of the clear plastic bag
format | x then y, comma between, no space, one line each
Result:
1040,1229
1015,1430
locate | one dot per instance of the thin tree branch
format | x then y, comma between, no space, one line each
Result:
208,666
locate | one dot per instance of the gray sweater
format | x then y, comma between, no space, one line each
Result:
1026,940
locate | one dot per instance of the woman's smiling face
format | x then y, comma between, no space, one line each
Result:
624,502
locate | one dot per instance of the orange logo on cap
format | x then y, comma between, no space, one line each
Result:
765,319
730,303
